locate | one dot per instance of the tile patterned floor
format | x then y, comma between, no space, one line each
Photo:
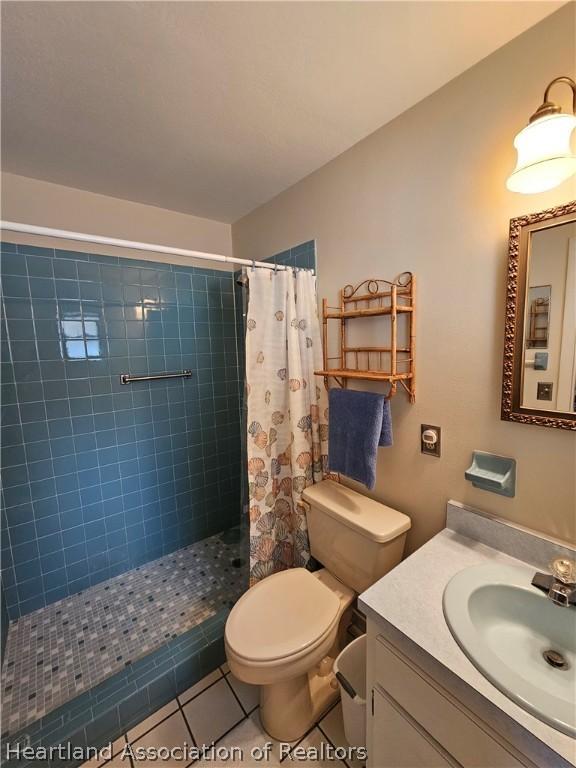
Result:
222,710
58,652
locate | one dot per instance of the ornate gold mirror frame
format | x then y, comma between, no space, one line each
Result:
521,229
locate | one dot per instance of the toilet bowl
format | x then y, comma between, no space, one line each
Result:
285,632
283,635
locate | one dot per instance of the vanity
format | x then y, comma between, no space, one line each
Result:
429,705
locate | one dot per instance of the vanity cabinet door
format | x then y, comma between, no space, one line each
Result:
447,723
398,742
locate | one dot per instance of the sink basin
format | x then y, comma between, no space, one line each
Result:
505,626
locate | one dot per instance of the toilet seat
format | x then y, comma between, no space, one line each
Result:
285,615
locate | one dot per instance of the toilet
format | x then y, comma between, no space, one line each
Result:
285,632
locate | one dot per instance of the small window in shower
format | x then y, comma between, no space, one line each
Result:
79,339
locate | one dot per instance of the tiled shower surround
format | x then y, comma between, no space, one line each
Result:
111,490
100,477
58,652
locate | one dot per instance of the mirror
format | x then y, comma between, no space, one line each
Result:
539,378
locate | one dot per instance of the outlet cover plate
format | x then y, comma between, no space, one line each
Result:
544,390
436,450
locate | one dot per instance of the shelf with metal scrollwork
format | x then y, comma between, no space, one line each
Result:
391,362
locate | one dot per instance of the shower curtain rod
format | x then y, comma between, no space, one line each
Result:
64,234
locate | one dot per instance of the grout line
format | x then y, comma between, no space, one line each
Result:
229,684
129,756
160,722
179,709
163,720
114,756
316,725
216,741
327,712
241,720
226,733
297,744
328,739
195,696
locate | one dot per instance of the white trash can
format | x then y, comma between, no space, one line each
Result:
350,671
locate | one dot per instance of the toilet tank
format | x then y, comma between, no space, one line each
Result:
356,538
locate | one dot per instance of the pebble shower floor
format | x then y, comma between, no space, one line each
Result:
66,648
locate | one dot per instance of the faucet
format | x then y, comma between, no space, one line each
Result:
560,586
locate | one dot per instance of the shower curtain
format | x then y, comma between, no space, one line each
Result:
287,416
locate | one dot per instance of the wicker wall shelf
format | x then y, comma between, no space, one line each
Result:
391,363
365,312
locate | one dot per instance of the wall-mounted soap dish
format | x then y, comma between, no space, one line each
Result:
492,473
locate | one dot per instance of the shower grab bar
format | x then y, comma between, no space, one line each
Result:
126,378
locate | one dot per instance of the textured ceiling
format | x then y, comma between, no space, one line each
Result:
212,108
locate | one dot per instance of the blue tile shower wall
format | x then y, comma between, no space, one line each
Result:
99,477
302,256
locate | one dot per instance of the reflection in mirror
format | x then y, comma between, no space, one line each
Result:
538,317
549,350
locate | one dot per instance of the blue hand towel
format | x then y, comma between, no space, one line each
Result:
358,423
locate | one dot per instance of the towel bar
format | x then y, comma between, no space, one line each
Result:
126,378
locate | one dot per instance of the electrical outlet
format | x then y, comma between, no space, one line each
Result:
430,440
544,390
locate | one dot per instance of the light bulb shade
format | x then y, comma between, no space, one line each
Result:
545,157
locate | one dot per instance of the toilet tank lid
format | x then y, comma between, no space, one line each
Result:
368,517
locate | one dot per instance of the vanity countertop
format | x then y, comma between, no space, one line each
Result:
407,603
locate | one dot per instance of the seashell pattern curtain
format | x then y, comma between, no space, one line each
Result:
287,416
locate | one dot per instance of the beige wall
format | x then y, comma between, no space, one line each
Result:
427,193
30,201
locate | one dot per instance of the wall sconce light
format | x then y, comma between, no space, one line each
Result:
545,156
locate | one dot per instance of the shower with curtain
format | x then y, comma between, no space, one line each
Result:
287,417
125,492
